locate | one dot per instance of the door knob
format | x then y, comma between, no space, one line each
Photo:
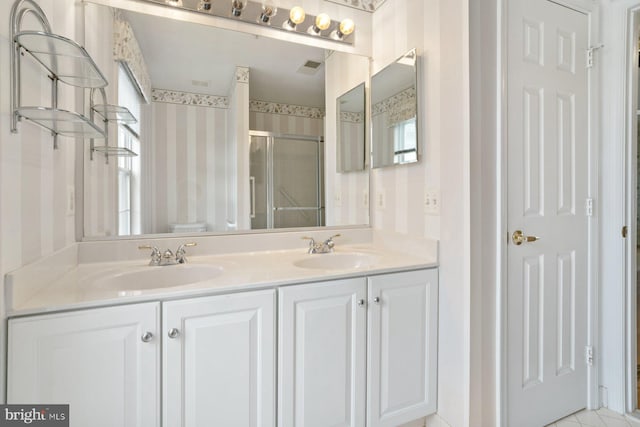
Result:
173,333
519,238
146,337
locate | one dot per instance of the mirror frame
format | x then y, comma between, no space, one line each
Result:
361,166
410,58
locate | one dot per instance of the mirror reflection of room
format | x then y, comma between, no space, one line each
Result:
199,109
394,107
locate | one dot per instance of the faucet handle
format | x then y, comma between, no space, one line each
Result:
155,254
180,252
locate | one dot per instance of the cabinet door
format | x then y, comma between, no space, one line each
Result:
219,361
322,342
402,347
94,360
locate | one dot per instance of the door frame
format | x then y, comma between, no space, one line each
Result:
587,8
630,180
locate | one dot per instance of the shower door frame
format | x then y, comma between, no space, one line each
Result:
271,208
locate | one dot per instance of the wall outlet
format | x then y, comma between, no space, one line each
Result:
365,198
381,200
432,202
71,200
337,198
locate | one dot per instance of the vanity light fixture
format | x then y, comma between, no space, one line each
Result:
237,6
296,17
346,27
204,6
268,11
322,22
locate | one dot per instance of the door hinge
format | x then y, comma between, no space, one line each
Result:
625,231
588,355
590,51
588,207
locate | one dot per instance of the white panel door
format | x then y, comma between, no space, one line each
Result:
321,342
219,361
547,191
402,347
94,360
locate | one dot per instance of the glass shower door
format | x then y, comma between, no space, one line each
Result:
296,182
286,177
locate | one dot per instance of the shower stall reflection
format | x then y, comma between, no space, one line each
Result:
286,176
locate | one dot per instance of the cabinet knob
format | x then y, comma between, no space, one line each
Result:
173,333
361,302
146,337
376,300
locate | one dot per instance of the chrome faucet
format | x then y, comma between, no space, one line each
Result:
156,256
181,253
321,247
168,258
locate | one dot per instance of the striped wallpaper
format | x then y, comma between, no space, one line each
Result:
34,179
347,193
403,186
185,159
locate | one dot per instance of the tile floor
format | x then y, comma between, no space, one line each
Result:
600,418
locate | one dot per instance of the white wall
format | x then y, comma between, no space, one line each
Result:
440,32
34,179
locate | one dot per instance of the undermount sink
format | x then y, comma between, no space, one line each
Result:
337,261
145,278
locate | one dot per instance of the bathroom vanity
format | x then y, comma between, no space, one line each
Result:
276,338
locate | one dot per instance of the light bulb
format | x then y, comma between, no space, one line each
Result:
268,11
204,5
296,16
347,27
237,6
175,3
323,21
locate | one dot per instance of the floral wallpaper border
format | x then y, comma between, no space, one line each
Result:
350,117
242,74
286,109
400,107
127,50
368,5
187,98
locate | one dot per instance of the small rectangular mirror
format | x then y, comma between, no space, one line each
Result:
351,130
394,106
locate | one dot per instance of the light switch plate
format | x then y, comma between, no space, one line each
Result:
71,200
337,198
432,202
381,200
365,198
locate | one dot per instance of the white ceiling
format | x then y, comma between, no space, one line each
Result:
177,53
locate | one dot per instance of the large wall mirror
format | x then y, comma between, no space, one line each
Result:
231,133
394,105
351,122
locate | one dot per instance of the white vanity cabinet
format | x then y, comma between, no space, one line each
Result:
358,352
322,354
402,347
103,362
219,361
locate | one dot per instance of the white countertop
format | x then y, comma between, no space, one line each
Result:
241,271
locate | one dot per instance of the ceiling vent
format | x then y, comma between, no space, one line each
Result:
310,67
200,83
